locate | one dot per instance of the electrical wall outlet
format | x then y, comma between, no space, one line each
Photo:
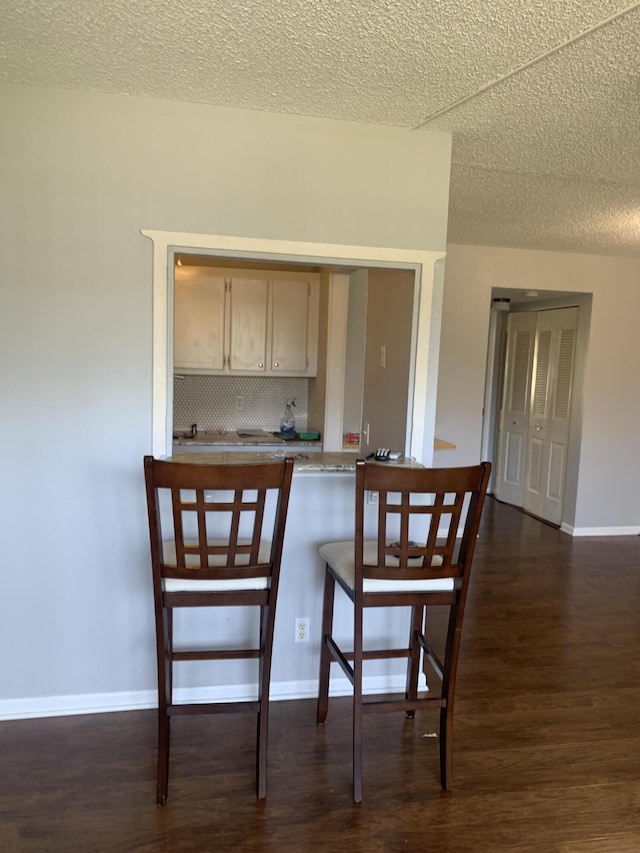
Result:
302,629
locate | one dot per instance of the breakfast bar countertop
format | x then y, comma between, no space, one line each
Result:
319,462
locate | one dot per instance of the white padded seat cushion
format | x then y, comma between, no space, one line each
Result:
225,585
341,557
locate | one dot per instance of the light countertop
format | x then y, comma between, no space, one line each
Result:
263,438
441,444
319,462
239,438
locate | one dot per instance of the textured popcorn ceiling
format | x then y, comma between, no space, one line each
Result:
548,158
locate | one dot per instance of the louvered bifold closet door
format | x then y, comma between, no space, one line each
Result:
551,392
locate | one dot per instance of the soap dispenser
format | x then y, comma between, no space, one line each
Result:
288,423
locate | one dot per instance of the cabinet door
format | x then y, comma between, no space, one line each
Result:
198,317
248,325
289,326
551,390
294,327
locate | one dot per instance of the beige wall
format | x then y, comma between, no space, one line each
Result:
317,385
607,498
389,323
354,356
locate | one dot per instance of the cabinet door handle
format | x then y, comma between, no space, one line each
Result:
260,364
276,364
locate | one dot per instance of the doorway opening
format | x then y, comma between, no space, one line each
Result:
340,261
532,422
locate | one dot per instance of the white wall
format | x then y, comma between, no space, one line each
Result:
81,175
607,498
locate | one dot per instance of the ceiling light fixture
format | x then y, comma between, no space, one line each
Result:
179,261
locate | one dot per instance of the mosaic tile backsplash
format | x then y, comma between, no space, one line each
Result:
237,402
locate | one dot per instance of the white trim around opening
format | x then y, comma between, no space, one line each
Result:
168,243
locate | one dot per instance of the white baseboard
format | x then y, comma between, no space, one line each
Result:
90,703
99,703
599,531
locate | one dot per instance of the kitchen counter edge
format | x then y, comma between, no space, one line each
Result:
318,462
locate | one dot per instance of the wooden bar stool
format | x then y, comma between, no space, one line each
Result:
419,556
208,550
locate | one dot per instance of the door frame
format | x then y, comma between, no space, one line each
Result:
429,282
495,376
496,356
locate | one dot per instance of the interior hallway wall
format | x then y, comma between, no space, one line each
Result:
81,174
607,499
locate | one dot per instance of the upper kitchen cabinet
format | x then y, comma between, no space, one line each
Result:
247,309
198,321
245,322
294,327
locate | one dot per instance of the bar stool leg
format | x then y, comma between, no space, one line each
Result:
413,663
357,705
325,654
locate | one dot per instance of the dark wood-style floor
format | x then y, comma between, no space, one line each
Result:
546,751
